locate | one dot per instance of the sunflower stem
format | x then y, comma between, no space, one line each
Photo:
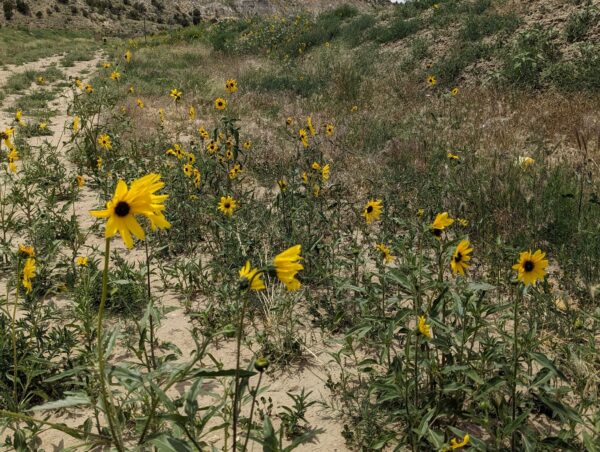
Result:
14,334
103,389
236,390
515,368
151,306
254,394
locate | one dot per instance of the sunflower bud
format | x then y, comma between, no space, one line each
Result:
261,364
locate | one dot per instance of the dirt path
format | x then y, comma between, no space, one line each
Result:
312,375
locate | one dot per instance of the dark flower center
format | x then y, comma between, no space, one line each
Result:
528,266
122,209
437,232
369,209
227,205
458,257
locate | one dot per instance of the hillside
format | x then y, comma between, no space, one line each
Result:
127,16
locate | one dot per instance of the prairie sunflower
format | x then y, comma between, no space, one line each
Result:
89,89
531,267
192,113
127,56
431,81
525,162
188,170
227,205
104,142
289,121
220,103
247,145
424,328
441,222
27,250
452,156
197,177
325,173
454,92
386,253
203,133
80,181
460,258
212,147
128,203
283,184
231,86
28,273
456,444
311,129
251,278
329,129
372,210
140,103
115,75
82,261
176,94
106,65
303,134
287,265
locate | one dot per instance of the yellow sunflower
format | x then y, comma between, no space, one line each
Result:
197,177
27,250
82,261
424,328
76,123
80,181
188,170
460,258
386,253
303,134
140,103
454,92
311,129
287,265
231,86
115,75
175,94
372,211
329,129
128,203
531,267
203,133
104,142
431,81
251,278
247,145
29,270
89,89
220,103
127,56
283,184
325,173
456,444
227,205
441,222
192,113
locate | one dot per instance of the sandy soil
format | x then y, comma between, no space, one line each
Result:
311,375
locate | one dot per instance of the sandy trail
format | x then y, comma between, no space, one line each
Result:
175,327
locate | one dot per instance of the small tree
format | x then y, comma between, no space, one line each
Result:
8,6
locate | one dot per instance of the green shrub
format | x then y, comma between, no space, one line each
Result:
479,26
398,29
579,23
353,33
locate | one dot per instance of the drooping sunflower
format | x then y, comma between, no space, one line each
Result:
325,173
27,250
531,267
452,156
80,181
456,444
104,142
385,252
372,211
287,266
129,203
231,86
220,103
140,103
289,121
227,205
460,258
424,328
127,56
82,261
283,184
441,222
251,278
303,134
431,80
29,270
197,177
311,129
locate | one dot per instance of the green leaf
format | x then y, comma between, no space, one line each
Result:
545,362
75,400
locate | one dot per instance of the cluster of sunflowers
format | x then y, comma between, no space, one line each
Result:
12,155
188,167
